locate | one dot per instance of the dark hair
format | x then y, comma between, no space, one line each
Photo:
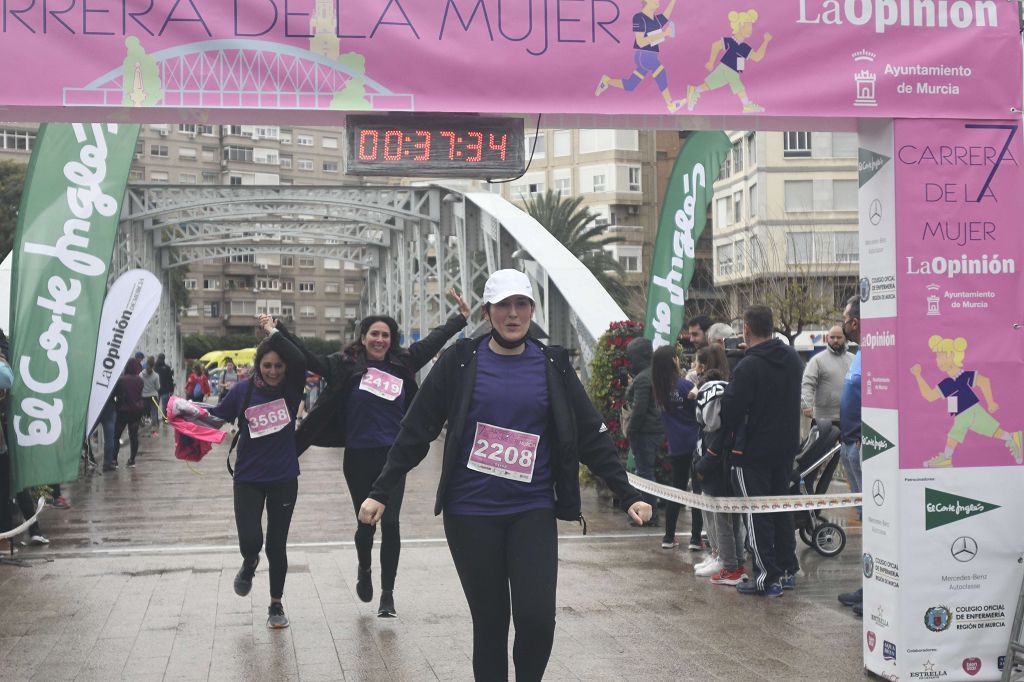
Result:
197,368
267,345
760,320
853,303
664,374
715,363
702,321
364,328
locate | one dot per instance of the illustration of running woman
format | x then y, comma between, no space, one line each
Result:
962,402
733,61
650,29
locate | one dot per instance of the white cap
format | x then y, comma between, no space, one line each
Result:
504,283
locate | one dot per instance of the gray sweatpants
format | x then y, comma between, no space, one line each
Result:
729,533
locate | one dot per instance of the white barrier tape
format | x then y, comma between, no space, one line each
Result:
28,522
743,505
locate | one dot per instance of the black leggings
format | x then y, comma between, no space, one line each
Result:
279,499
362,467
496,555
680,477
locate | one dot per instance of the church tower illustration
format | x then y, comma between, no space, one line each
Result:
322,24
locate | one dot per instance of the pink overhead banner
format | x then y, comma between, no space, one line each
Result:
959,285
776,58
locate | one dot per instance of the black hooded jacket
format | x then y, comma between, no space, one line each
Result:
762,401
646,417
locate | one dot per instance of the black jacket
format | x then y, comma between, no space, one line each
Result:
579,433
166,377
646,417
762,402
324,426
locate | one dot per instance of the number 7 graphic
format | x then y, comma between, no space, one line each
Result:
1002,153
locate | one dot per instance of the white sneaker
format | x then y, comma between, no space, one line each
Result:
710,570
706,562
39,540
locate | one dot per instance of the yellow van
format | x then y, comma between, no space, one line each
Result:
216,358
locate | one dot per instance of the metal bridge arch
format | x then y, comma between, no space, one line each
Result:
413,243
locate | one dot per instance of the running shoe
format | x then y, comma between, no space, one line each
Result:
387,605
750,587
675,105
852,598
858,610
692,96
364,584
59,503
602,85
706,561
38,539
709,570
131,463
243,579
751,108
669,543
788,581
727,577
696,545
1017,446
939,461
276,619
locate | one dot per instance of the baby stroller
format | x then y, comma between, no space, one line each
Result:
812,474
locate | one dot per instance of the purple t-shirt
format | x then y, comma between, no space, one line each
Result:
960,389
372,421
511,392
680,419
268,458
734,52
646,25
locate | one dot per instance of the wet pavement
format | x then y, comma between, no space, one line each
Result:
137,585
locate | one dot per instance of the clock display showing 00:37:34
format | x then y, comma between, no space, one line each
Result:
434,144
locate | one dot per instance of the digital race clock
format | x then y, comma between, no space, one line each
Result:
435,144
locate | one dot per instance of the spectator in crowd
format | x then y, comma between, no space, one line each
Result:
197,387
130,408
227,379
723,335
166,381
849,427
823,378
150,394
696,330
141,357
764,399
645,431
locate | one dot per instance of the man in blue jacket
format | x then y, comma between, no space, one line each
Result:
763,397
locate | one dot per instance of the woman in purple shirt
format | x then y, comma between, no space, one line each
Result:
519,425
267,466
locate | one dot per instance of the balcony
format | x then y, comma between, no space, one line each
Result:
241,269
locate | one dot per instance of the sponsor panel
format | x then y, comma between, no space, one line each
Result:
877,220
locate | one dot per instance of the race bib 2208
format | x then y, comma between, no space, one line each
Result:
502,452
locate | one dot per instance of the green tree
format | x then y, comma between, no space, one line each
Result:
12,181
576,228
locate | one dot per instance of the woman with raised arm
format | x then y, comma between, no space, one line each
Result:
519,425
370,385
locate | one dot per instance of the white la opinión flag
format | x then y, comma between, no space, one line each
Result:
127,309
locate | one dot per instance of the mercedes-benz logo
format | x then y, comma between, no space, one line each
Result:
964,549
878,493
875,212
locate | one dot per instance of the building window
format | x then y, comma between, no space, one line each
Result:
307,262
350,312
238,154
286,162
737,156
563,142
245,308
192,311
634,178
562,186
304,164
330,166
799,196
287,311
847,249
752,201
751,150
160,150
332,263
796,144
210,177
204,130
724,257
136,175
329,142
844,145
187,128
307,311
535,188
268,284
304,140
332,313
187,178
332,288
722,212
726,169
600,182
630,263
187,153
17,140
350,288
190,284
235,180
844,195
266,132
159,176
249,258
287,261
215,309
307,287
287,285
209,154
739,249
211,284
737,207
540,150
231,130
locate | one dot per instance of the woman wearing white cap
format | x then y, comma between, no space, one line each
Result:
519,425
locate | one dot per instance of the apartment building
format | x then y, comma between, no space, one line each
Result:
785,207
